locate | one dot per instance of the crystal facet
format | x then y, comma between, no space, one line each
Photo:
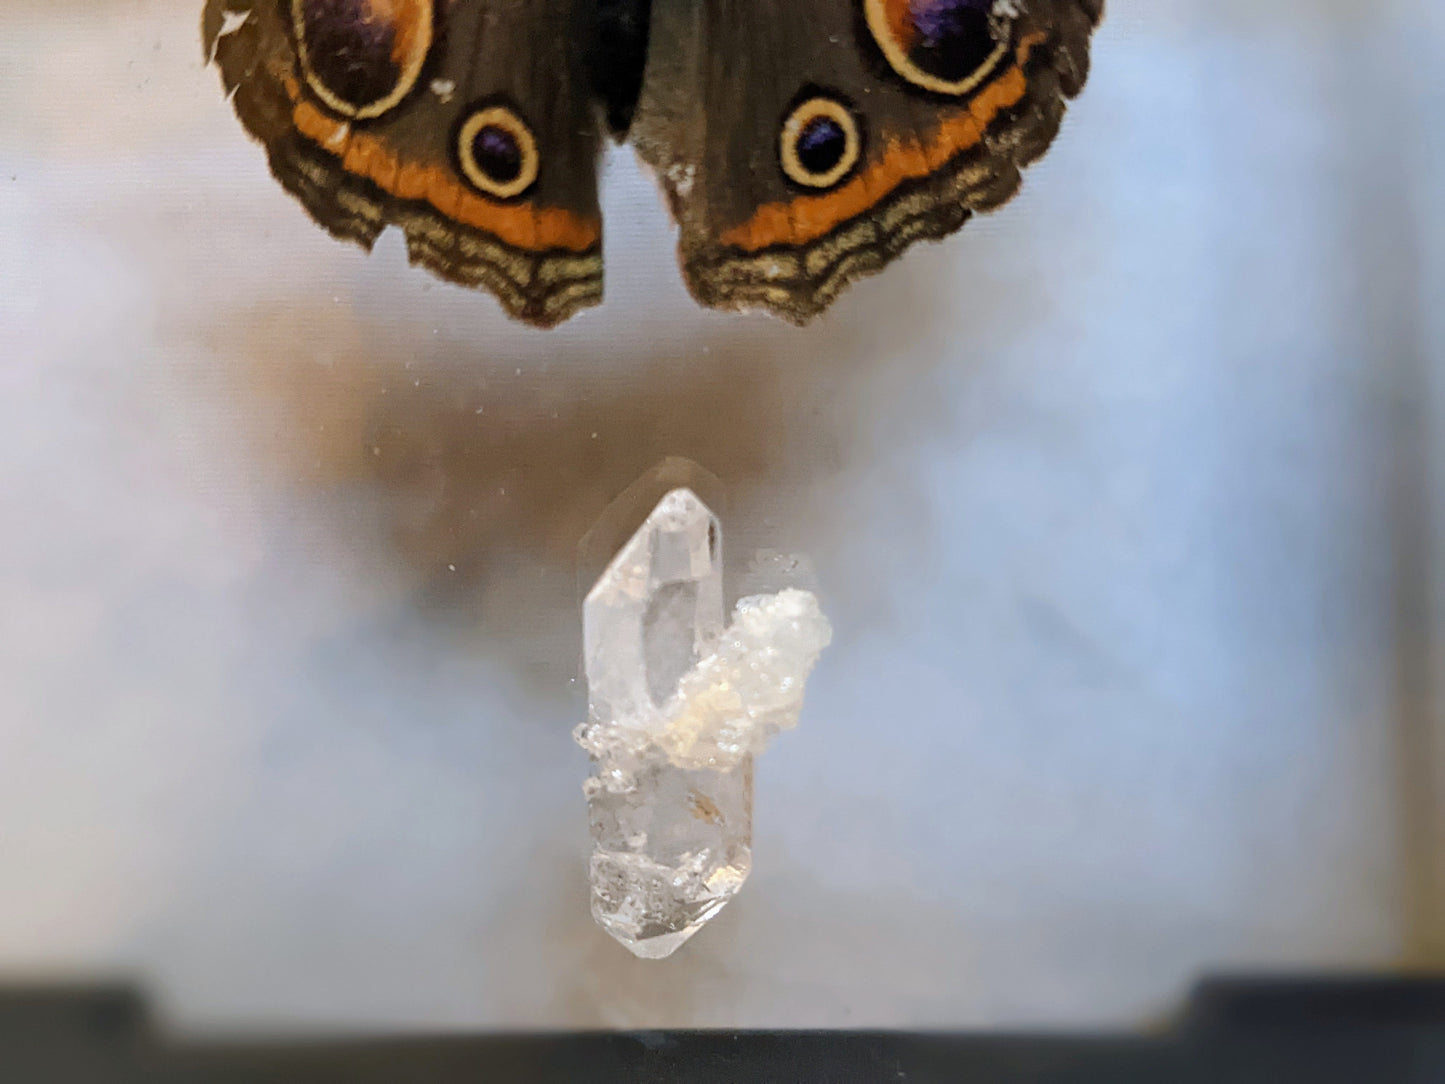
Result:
678,708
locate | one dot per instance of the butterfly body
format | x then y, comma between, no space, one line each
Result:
800,146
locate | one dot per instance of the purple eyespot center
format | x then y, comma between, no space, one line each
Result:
497,154
951,39
821,145
361,54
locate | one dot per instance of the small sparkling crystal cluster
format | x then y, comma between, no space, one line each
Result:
679,706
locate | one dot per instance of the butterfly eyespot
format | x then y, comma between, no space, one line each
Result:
497,152
820,142
360,57
944,46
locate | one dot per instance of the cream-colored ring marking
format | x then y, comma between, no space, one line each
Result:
498,116
876,13
793,129
410,72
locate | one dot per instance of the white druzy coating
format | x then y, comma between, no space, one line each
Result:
678,707
737,699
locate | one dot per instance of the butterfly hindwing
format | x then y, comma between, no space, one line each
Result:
469,124
802,146
805,146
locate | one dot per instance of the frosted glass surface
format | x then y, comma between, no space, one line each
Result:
1125,506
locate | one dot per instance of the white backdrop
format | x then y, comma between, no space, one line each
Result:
1127,505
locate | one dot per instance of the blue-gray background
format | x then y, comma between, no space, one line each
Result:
1128,504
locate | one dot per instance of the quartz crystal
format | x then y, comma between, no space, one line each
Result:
678,707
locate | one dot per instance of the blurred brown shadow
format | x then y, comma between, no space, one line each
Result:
491,462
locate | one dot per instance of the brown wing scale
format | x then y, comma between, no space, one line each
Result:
756,232
432,116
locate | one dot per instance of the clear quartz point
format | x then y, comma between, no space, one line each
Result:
678,707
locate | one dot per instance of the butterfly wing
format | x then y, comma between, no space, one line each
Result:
466,123
805,146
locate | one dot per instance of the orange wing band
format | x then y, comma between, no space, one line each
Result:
807,218
525,227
